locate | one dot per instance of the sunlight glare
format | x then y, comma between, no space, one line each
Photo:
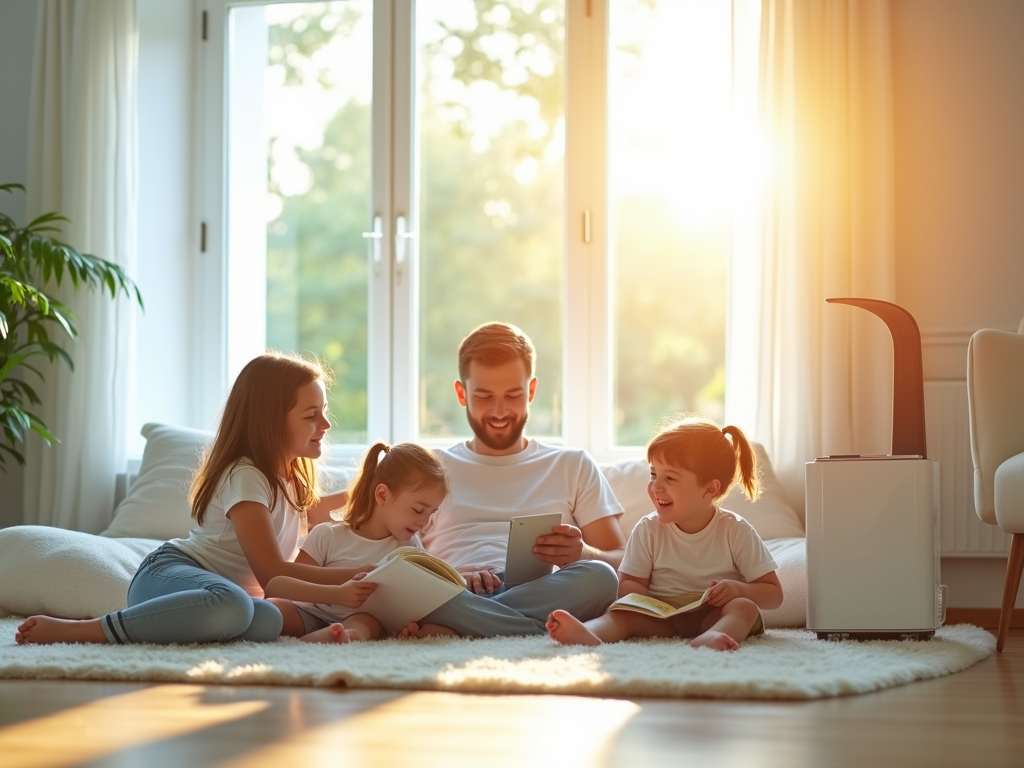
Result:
81,734
438,728
674,134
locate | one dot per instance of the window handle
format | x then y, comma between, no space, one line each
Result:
376,237
402,237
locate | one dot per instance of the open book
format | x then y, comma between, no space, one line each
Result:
652,606
410,584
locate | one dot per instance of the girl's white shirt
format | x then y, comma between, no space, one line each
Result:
676,562
335,545
214,544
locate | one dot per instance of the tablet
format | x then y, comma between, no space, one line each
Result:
520,564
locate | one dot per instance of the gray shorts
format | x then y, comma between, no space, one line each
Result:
310,621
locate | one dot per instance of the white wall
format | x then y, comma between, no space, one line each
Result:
959,92
168,230
17,42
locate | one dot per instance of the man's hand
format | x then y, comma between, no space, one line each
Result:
562,546
483,581
354,592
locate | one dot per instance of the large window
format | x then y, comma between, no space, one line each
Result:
382,177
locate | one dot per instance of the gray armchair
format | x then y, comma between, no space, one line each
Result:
995,395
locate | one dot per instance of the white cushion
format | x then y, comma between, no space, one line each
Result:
791,557
156,506
770,515
74,575
1009,494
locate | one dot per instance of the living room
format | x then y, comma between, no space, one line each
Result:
957,117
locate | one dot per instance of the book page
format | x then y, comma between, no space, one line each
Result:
406,592
653,606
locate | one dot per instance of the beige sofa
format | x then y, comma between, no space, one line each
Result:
80,575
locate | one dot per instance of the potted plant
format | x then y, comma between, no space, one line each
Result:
31,259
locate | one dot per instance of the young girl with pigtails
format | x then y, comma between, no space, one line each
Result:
392,497
688,544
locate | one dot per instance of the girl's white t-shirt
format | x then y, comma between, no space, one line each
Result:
471,527
214,544
335,545
675,562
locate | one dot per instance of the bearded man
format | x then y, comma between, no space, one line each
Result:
499,474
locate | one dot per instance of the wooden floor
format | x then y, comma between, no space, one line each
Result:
973,718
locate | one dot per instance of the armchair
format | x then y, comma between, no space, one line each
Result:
995,397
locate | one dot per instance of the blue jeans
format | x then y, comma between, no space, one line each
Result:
173,599
585,589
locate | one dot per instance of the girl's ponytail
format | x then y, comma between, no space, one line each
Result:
401,467
698,445
749,477
360,490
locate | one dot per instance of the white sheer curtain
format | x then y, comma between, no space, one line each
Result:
82,162
807,378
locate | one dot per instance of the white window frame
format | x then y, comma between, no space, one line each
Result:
394,287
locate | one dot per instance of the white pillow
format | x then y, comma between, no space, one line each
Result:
791,557
770,515
156,506
70,574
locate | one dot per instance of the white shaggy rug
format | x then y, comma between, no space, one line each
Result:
783,664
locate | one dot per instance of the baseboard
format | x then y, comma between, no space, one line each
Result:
988,618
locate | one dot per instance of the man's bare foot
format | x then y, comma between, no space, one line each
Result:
566,629
717,640
336,633
415,630
44,630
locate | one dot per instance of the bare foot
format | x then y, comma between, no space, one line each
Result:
415,630
717,640
566,629
336,633
44,630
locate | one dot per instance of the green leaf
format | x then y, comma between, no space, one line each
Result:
12,362
53,351
14,454
3,325
55,313
13,425
41,429
26,391
52,216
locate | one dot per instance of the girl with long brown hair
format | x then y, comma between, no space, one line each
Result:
251,497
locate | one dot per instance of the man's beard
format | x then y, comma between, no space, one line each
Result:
498,444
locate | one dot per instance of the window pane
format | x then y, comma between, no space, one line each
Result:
317,111
491,100
669,195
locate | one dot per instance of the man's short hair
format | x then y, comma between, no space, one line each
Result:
494,344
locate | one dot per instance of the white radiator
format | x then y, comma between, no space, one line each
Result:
949,443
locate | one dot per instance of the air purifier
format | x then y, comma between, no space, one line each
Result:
873,567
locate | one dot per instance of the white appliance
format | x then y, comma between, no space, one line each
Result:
873,548
873,521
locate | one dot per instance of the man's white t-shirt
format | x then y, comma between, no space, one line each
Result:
214,544
675,562
335,545
472,525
